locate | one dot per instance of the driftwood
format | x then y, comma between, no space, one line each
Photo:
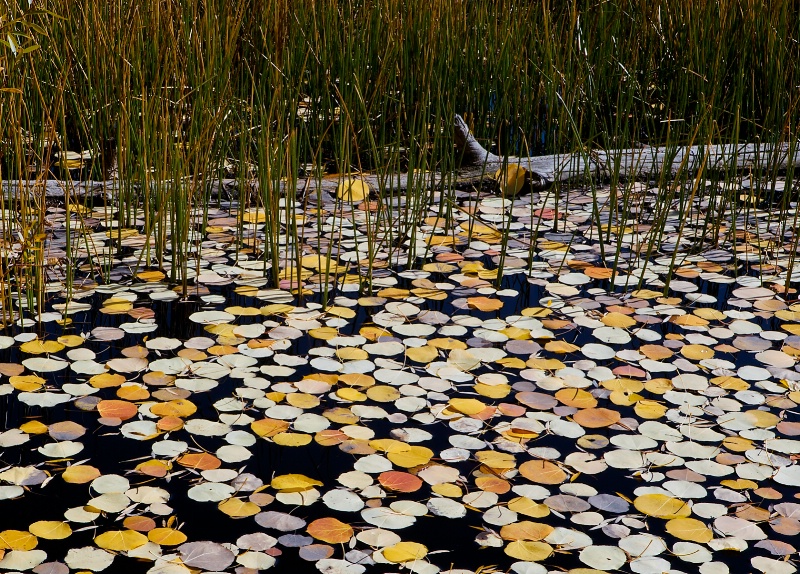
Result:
636,163
477,165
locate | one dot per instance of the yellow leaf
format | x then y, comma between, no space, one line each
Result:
405,552
561,347
730,383
105,380
71,340
17,540
511,179
291,439
116,306
710,314
737,444
293,483
447,343
466,406
646,294
120,540
447,489
383,394
545,364
351,354
323,333
649,409
26,383
526,506
50,529
37,347
302,400
352,190
166,536
424,354
350,394
697,352
661,506
511,363
528,550
254,217
492,391
243,311
150,276
739,483
526,530
174,408
80,474
340,415
577,398
689,529
237,508
411,457
484,304
343,312
33,427
762,419
268,427
620,320
536,312
496,459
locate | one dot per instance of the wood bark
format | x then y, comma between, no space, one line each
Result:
477,165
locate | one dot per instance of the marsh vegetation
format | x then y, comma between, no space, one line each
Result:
256,313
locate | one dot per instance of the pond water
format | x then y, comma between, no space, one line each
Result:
569,414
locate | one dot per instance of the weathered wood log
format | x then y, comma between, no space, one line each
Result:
477,165
636,163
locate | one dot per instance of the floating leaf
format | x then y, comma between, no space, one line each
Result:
206,555
293,483
399,481
405,552
166,536
330,530
352,190
528,551
18,540
120,540
689,529
237,508
596,417
662,506
50,529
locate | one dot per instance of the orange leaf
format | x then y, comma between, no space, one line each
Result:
154,468
484,303
168,424
493,484
525,530
139,523
596,418
200,461
113,409
330,530
542,472
330,437
399,481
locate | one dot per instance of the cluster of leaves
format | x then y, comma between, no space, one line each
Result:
593,420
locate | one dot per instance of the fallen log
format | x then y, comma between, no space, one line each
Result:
477,165
634,163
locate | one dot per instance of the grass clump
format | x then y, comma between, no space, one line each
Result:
166,96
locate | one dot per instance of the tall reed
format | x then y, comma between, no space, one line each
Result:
169,95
